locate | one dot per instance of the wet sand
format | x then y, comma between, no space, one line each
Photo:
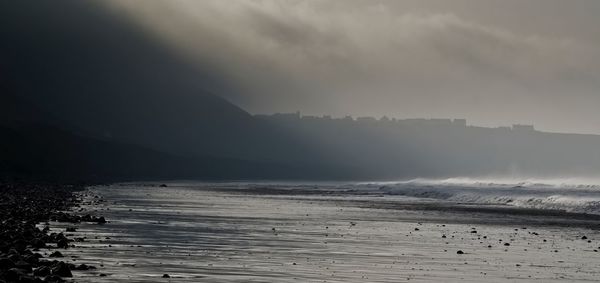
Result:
208,233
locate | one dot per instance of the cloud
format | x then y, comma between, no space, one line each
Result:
333,57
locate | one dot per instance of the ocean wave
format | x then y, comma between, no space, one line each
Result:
571,195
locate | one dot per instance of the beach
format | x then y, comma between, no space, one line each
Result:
237,232
31,248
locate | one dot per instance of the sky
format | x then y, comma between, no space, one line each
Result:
492,62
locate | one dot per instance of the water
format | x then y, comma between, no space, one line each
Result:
563,194
332,232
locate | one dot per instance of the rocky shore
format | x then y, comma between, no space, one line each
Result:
29,251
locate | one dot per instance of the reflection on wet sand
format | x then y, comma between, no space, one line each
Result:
198,234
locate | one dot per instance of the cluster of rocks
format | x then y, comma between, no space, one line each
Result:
22,207
66,217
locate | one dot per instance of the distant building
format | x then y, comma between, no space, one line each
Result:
366,119
287,116
523,128
460,122
440,122
414,121
311,118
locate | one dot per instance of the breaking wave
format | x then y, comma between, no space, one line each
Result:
571,195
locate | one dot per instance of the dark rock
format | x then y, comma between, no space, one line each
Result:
166,276
584,238
20,245
23,265
32,259
42,271
6,263
56,254
28,279
24,206
83,267
38,243
61,269
53,279
459,252
14,274
163,185
62,243
14,257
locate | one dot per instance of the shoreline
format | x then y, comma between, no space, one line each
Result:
30,247
555,217
196,234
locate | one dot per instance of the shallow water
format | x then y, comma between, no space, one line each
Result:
242,233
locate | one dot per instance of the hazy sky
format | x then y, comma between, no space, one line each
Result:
490,61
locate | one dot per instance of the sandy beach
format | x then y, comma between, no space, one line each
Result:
242,233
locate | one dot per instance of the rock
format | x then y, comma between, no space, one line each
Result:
6,263
62,243
23,265
84,267
14,274
166,276
53,279
32,259
507,244
20,245
38,243
61,269
14,257
459,252
24,207
584,238
56,254
28,279
41,271
163,185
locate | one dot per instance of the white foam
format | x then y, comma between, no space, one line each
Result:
572,195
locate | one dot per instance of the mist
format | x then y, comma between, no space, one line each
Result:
477,60
180,84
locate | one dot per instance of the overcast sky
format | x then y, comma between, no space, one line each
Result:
493,62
